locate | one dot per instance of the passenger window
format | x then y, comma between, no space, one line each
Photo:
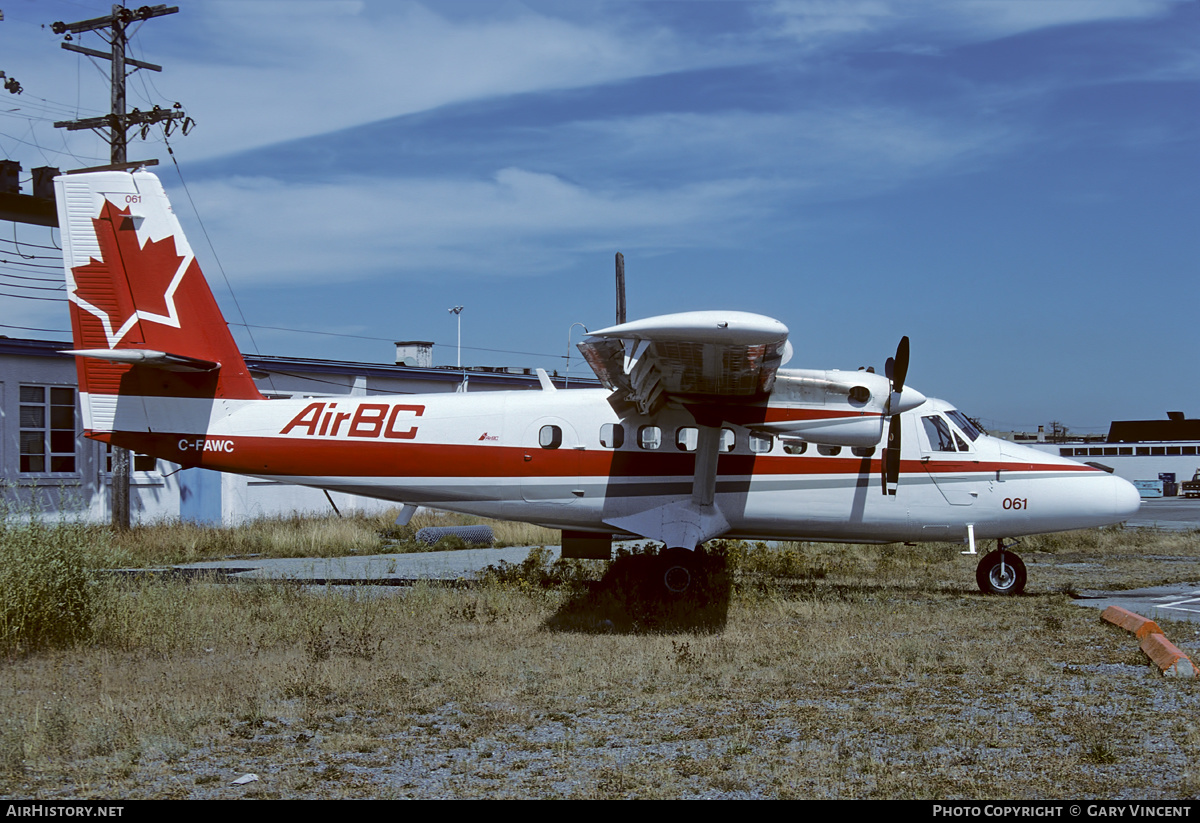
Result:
938,432
728,440
649,437
830,451
612,435
550,437
761,444
863,451
685,439
795,447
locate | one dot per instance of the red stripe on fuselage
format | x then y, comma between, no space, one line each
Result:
305,457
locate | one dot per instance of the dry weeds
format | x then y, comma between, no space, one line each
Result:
830,672
170,542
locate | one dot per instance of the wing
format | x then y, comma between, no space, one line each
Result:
712,359
707,354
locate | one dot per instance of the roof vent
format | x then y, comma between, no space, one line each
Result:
414,353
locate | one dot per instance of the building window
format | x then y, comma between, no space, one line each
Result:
138,462
47,430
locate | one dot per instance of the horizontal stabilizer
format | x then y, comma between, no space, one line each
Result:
148,357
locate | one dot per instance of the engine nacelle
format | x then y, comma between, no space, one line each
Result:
836,431
836,408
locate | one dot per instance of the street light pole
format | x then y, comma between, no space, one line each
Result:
567,375
457,312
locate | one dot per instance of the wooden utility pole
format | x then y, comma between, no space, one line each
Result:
114,127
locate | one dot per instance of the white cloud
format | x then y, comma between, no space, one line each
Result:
519,222
821,149
923,22
730,177
284,75
258,73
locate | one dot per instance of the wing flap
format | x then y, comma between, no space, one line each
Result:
695,354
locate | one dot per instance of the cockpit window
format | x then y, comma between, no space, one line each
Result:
945,438
938,432
963,422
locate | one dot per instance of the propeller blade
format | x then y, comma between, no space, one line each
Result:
900,367
890,463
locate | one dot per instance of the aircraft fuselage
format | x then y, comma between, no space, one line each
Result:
566,459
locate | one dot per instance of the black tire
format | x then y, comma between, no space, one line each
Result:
1001,572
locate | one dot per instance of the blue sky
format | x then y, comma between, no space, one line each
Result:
1011,183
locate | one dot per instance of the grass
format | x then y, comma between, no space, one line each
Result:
171,542
48,587
817,671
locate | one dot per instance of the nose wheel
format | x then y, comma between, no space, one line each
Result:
1001,572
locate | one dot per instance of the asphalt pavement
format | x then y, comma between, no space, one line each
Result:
1179,601
1169,513
378,569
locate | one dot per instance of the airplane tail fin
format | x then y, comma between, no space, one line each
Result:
143,318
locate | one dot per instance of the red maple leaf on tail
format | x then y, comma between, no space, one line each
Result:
105,303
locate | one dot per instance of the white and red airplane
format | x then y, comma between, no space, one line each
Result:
698,434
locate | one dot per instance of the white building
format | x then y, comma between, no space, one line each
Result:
1140,451
47,465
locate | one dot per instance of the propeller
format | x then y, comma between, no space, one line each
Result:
896,370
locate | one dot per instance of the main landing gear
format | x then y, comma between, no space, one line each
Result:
1000,572
678,571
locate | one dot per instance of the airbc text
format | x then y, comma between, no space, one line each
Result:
386,420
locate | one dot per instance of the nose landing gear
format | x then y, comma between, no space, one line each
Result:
1001,572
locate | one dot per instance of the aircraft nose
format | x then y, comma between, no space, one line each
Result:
1126,500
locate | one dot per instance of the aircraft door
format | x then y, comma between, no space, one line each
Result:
550,462
949,459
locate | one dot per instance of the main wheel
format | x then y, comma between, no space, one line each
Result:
1000,572
678,571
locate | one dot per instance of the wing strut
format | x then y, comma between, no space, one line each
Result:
685,523
704,478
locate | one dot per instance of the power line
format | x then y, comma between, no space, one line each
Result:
391,340
32,265
115,126
19,243
31,328
62,299
61,287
